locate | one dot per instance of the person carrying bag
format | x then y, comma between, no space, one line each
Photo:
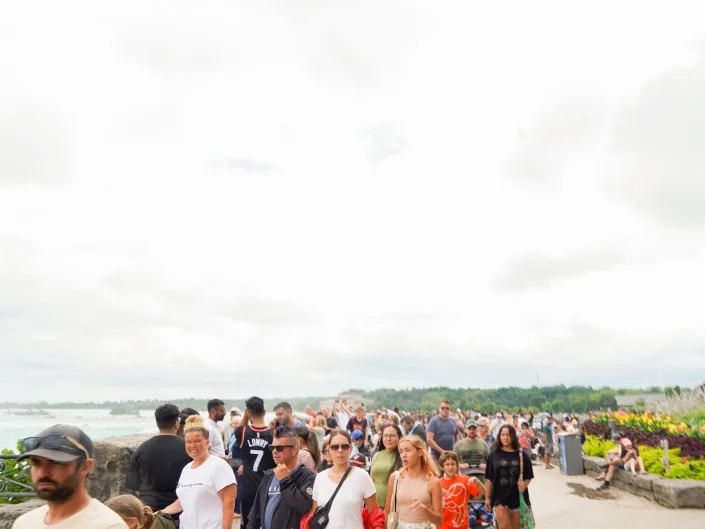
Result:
526,515
392,519
319,520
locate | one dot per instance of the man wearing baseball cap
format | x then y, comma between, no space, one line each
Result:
62,458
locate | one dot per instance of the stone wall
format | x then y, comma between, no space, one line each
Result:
107,479
112,460
673,493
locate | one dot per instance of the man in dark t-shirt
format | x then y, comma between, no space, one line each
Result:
157,463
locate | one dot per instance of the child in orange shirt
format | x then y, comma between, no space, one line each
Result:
457,490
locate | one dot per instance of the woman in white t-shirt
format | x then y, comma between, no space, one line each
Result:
206,488
357,491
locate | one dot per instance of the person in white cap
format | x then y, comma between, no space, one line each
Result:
62,458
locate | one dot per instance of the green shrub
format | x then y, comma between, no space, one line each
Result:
18,471
687,470
597,447
653,459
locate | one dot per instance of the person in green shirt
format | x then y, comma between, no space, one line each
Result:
547,431
386,461
471,450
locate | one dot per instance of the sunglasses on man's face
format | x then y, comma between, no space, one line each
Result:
445,407
279,448
337,448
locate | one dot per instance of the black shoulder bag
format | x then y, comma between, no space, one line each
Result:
320,517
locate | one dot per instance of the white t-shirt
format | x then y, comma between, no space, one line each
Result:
215,438
346,510
198,493
95,515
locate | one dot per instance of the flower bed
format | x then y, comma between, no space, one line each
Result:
691,426
680,467
690,447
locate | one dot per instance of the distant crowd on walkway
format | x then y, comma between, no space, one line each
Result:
340,467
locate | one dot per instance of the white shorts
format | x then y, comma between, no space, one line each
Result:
417,525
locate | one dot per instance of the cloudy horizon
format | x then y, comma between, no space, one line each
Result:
234,199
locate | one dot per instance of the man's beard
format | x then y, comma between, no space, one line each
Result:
61,491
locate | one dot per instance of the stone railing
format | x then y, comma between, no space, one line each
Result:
112,460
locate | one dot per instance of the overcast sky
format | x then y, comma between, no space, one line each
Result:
296,198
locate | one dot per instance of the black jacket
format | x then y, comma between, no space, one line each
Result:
295,502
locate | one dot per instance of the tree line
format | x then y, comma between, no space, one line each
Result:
578,399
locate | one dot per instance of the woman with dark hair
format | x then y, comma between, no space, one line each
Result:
326,458
386,461
356,489
503,484
183,415
309,453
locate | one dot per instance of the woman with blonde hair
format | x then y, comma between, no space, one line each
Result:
414,492
137,515
206,489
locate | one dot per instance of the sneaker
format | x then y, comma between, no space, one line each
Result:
604,486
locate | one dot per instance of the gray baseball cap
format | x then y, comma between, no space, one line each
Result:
471,424
61,443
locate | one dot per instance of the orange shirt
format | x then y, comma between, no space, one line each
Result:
456,493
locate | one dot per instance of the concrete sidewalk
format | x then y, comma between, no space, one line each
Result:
557,505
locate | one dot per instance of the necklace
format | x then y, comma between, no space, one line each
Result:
337,475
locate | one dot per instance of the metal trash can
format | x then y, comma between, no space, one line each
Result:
571,453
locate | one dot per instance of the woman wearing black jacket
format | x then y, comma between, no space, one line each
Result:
289,485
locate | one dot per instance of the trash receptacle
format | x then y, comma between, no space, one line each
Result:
571,453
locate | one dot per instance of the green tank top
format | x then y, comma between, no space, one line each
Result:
379,472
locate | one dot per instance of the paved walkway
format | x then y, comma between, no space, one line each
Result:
557,505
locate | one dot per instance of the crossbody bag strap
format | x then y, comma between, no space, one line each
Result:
521,464
340,484
394,497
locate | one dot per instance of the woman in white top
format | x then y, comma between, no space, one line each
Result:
206,488
419,497
357,489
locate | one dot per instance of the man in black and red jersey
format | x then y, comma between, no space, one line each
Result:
254,438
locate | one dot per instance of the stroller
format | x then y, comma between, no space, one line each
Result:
476,506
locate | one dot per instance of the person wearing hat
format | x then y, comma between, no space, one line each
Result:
471,450
62,458
358,443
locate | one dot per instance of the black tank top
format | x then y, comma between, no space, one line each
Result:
256,456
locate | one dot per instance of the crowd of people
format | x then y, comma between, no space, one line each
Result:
343,467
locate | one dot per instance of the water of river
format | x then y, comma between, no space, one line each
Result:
97,423
17,424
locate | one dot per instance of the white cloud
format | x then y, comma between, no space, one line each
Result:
300,199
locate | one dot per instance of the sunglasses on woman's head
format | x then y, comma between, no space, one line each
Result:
336,448
279,448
